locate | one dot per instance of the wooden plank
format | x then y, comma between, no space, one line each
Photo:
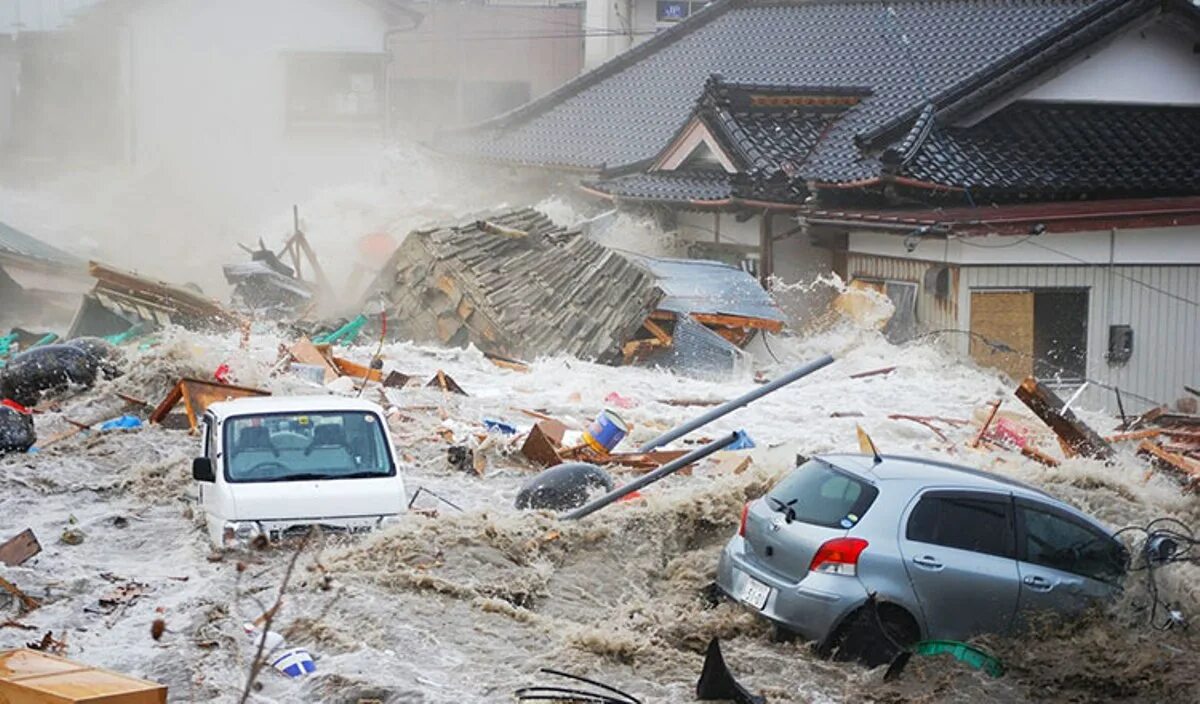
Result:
31,677
26,601
1135,435
198,395
17,550
169,401
986,423
542,444
1076,436
873,372
1003,317
306,352
738,321
1178,462
357,371
442,380
657,331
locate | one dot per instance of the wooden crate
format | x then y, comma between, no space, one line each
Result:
32,677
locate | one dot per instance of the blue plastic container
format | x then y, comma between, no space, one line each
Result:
606,432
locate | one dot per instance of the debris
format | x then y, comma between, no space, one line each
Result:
121,300
197,395
28,602
1186,466
983,429
17,433
443,381
515,365
294,662
422,490
121,596
743,400
846,414
49,644
606,432
352,369
223,374
616,399
27,676
122,423
962,652
499,426
343,335
648,479
717,682
543,442
685,402
1077,438
267,287
563,487
601,694
17,550
310,372
306,352
873,372
929,422
45,370
157,628
636,460
396,380
461,458
72,536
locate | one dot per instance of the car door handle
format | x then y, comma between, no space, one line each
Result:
929,562
1037,583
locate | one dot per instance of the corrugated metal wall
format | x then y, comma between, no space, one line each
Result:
1162,303
933,313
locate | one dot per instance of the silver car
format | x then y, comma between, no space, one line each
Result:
865,557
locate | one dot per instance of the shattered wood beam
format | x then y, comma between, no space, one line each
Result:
1178,462
738,321
1076,436
987,423
166,295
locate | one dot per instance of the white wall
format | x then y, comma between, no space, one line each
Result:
1161,303
1155,64
1167,245
617,17
207,94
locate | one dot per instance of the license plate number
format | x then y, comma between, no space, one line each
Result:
754,593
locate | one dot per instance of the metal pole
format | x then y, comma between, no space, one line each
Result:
663,471
730,406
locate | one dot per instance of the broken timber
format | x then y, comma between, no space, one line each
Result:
1077,438
197,395
17,550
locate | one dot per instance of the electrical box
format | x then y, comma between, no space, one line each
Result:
1120,343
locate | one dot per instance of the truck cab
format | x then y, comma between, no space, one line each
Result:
273,466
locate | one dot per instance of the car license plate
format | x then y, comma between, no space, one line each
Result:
754,593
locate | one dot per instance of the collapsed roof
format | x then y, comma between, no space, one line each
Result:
517,285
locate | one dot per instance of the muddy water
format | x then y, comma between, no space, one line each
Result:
467,606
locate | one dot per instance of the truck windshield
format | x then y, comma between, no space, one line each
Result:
280,447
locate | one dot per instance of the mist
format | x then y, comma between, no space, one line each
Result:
158,135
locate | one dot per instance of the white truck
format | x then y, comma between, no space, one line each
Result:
273,466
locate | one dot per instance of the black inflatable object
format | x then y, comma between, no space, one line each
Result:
716,682
16,431
47,369
107,356
563,487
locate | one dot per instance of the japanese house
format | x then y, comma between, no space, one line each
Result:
1022,177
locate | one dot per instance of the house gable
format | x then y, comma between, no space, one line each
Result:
695,145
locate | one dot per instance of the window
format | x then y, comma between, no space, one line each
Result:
818,493
287,446
1063,544
332,88
965,522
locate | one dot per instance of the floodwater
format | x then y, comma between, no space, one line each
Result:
467,606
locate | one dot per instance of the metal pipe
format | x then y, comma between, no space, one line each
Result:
645,480
730,406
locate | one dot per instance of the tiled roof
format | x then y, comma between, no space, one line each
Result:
1064,150
15,243
668,186
952,53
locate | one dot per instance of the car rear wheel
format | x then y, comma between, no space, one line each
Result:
873,635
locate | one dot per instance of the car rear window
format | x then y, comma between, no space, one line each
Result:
819,494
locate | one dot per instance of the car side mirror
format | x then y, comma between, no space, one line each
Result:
202,470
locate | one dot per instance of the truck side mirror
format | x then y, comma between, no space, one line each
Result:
202,470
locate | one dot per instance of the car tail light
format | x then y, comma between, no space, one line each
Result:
838,556
742,524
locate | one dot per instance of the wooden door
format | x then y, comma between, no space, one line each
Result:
1004,317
